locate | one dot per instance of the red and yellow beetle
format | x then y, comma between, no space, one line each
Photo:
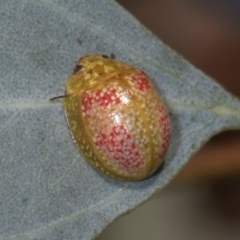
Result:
116,118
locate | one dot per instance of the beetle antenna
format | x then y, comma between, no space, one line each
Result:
61,96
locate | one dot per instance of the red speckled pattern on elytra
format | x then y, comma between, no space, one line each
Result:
141,81
104,98
111,137
120,146
114,139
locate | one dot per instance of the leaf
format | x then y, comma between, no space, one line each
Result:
47,190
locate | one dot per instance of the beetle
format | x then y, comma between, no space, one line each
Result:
117,118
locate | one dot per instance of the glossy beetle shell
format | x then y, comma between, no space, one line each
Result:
116,118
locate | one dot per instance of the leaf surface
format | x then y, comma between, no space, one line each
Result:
47,190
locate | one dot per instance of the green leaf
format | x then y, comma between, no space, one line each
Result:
47,190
